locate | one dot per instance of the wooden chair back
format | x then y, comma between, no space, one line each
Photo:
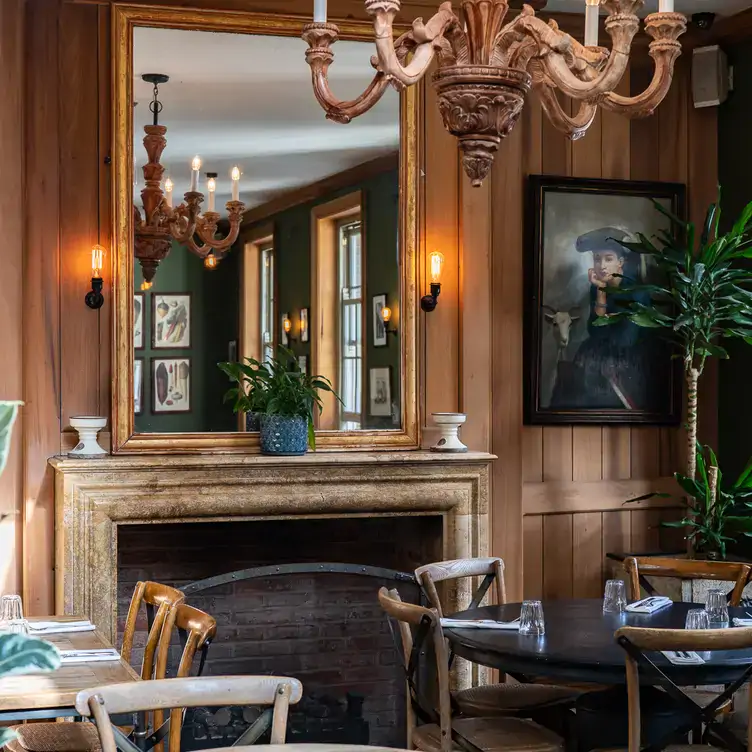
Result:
638,567
164,694
637,641
491,569
158,600
196,630
417,624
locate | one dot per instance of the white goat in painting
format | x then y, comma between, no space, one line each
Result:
561,321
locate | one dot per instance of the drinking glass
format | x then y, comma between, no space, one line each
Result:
614,597
531,618
11,615
697,618
716,606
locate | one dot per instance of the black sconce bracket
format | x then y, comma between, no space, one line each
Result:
94,298
428,302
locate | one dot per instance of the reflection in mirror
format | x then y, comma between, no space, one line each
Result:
316,266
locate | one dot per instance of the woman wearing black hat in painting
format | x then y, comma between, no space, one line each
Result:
617,366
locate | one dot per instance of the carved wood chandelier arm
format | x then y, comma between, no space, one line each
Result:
574,126
320,37
206,229
425,36
665,28
570,66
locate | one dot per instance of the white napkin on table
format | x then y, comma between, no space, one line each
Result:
743,622
649,605
56,627
684,658
88,656
480,624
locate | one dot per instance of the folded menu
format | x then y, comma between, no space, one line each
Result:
480,624
55,627
649,605
88,656
684,657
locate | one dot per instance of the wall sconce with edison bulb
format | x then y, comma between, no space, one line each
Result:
286,329
386,317
435,264
94,298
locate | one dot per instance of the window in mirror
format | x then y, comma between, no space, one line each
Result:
351,327
267,303
320,232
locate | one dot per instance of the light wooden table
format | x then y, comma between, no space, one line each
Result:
53,694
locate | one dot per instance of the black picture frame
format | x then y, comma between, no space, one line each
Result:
537,265
177,359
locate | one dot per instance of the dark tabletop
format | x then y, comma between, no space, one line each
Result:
579,644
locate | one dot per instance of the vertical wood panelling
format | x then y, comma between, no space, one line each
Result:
79,223
557,556
669,146
506,318
41,325
532,540
11,258
441,234
587,555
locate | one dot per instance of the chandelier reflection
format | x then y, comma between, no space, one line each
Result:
486,67
160,223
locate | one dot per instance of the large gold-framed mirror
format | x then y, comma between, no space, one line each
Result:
328,237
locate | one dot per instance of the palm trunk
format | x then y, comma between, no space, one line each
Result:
693,376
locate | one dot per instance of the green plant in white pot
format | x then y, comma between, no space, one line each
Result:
705,296
19,654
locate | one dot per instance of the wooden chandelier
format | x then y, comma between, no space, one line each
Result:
486,67
160,223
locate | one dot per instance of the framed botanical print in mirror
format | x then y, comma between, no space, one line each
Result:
285,230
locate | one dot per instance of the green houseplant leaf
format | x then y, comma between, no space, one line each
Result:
8,413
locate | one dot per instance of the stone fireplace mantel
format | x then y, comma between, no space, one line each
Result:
93,497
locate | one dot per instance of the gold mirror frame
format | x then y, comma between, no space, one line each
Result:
124,440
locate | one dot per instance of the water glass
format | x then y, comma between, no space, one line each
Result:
716,606
11,615
531,618
697,618
615,597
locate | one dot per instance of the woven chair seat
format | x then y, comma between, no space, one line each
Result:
55,737
492,734
507,699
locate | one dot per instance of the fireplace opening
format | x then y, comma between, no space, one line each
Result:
324,628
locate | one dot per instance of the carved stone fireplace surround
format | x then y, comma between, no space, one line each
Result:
94,497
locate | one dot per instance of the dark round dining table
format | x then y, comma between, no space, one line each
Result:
579,644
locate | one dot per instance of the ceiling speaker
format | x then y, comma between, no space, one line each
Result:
710,76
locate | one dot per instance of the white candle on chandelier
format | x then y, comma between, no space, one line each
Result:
211,187
195,168
168,186
319,11
591,23
665,6
235,175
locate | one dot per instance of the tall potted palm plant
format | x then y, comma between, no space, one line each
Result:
19,654
704,297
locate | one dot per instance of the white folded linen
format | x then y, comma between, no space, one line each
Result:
480,624
89,656
743,622
684,658
53,627
649,605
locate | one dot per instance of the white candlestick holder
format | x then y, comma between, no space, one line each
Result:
449,426
88,426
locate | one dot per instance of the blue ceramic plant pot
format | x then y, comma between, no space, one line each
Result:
283,436
253,421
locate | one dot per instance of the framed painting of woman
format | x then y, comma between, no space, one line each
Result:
578,269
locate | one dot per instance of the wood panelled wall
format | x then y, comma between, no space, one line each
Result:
471,344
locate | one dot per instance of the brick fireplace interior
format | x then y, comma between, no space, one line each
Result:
325,629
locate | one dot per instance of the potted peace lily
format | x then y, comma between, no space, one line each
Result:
19,654
705,297
283,396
